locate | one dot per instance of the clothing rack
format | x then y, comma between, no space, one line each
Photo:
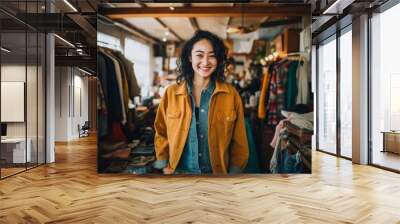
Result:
107,46
299,53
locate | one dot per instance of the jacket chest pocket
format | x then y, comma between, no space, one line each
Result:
226,120
173,120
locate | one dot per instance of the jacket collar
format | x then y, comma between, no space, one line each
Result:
219,87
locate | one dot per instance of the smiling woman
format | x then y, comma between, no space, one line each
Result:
205,45
200,88
207,112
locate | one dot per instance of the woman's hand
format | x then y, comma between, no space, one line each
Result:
167,171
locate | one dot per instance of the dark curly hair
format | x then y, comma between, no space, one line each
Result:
185,69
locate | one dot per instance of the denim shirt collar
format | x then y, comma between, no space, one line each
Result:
219,87
210,88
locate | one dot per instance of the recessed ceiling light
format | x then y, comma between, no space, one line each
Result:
171,8
164,39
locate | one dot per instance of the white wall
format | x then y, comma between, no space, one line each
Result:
79,117
12,73
16,73
70,84
61,103
33,126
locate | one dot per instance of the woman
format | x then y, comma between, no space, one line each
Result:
200,123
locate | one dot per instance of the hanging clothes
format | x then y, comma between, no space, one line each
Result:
302,82
253,164
132,81
120,89
284,91
291,87
272,99
102,108
263,95
281,80
109,82
119,86
102,96
125,90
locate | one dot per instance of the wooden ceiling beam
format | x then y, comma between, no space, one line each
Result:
169,29
194,24
192,20
163,24
138,31
235,11
228,24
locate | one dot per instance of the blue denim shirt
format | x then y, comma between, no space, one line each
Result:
195,157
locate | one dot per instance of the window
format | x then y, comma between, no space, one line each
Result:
22,74
108,41
385,84
346,94
139,54
327,96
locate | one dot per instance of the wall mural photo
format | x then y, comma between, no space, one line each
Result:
204,89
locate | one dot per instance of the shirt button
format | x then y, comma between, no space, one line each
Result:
200,154
202,110
201,136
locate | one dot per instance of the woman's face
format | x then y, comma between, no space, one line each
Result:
204,61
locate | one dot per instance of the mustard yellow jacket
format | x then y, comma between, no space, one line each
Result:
227,138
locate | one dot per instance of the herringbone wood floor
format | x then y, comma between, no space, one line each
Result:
70,191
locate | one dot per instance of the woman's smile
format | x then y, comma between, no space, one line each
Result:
203,58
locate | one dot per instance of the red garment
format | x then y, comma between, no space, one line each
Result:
117,134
